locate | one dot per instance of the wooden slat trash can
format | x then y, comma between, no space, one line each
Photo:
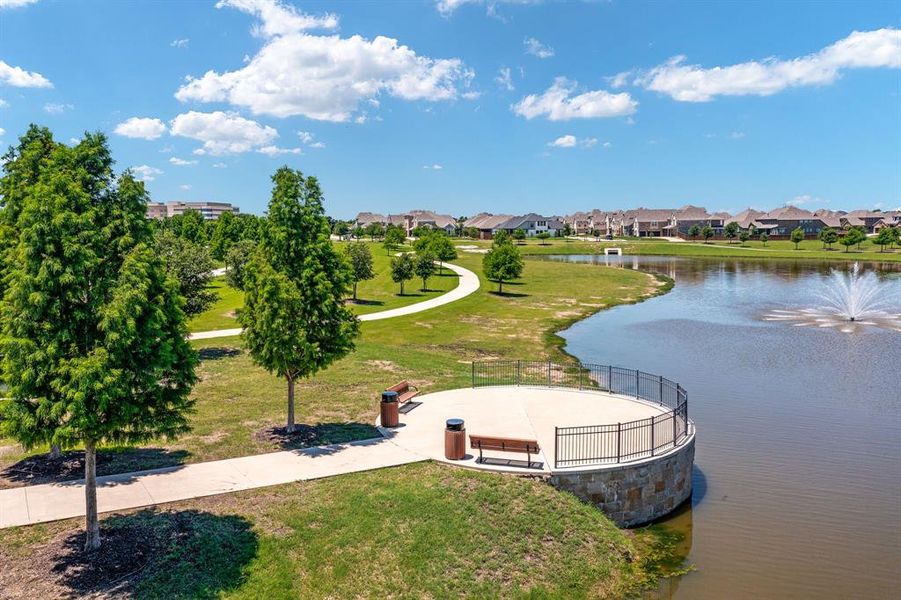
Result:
389,409
454,440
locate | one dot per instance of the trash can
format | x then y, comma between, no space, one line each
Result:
389,409
454,440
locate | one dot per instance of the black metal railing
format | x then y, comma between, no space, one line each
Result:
587,445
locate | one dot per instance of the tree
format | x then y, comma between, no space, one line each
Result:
744,235
694,231
394,237
341,229
707,233
294,318
360,259
189,225
402,269
848,240
896,235
730,231
92,332
191,266
828,236
544,236
764,238
424,267
236,261
226,233
500,237
567,230
375,230
885,237
421,231
860,236
797,236
443,249
502,262
519,235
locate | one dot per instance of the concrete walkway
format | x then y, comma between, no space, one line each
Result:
54,501
469,283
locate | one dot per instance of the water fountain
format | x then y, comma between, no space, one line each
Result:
850,301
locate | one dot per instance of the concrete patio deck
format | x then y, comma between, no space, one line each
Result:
511,411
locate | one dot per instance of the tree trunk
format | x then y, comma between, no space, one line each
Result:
424,285
500,287
401,288
92,523
290,426
55,452
355,291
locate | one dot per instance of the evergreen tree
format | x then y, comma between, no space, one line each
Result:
226,233
92,331
294,318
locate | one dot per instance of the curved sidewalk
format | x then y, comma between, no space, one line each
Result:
469,283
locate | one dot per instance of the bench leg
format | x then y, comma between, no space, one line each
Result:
528,459
480,453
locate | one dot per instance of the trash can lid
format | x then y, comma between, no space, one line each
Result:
389,396
455,424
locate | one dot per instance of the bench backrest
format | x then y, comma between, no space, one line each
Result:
504,444
400,388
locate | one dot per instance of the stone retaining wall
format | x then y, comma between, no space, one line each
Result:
635,494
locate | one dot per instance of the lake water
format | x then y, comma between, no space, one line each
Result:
797,483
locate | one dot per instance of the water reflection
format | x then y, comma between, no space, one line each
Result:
798,427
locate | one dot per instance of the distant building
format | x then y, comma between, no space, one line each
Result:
532,224
209,210
486,224
410,220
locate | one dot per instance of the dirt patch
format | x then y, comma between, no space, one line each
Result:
147,547
212,438
382,365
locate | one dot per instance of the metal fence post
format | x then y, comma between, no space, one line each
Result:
473,373
661,391
637,384
619,433
549,373
610,379
556,444
674,429
580,377
652,434
516,377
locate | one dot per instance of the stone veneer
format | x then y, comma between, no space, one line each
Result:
634,494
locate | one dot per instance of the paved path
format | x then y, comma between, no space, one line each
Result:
54,501
469,283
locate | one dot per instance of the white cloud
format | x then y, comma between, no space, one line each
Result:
308,139
536,48
222,132
181,162
220,165
447,7
54,108
435,167
141,127
146,173
694,83
619,80
361,119
323,77
317,145
19,77
277,18
2,132
806,199
3,103
571,141
185,186
275,150
558,104
607,145
180,43
15,3
737,135
504,79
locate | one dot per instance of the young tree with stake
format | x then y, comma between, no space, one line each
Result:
294,318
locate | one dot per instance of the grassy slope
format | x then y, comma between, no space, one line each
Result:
808,250
417,531
379,293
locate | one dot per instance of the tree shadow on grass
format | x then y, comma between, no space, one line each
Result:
506,294
321,434
157,554
218,353
360,302
69,466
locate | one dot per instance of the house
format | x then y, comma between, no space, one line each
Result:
532,224
210,211
410,220
689,215
650,222
486,224
869,218
579,223
782,221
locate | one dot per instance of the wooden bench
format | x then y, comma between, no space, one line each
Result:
485,442
405,393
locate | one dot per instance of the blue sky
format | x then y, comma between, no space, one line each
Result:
463,106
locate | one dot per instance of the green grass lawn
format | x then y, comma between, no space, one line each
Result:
418,531
782,249
379,293
237,400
